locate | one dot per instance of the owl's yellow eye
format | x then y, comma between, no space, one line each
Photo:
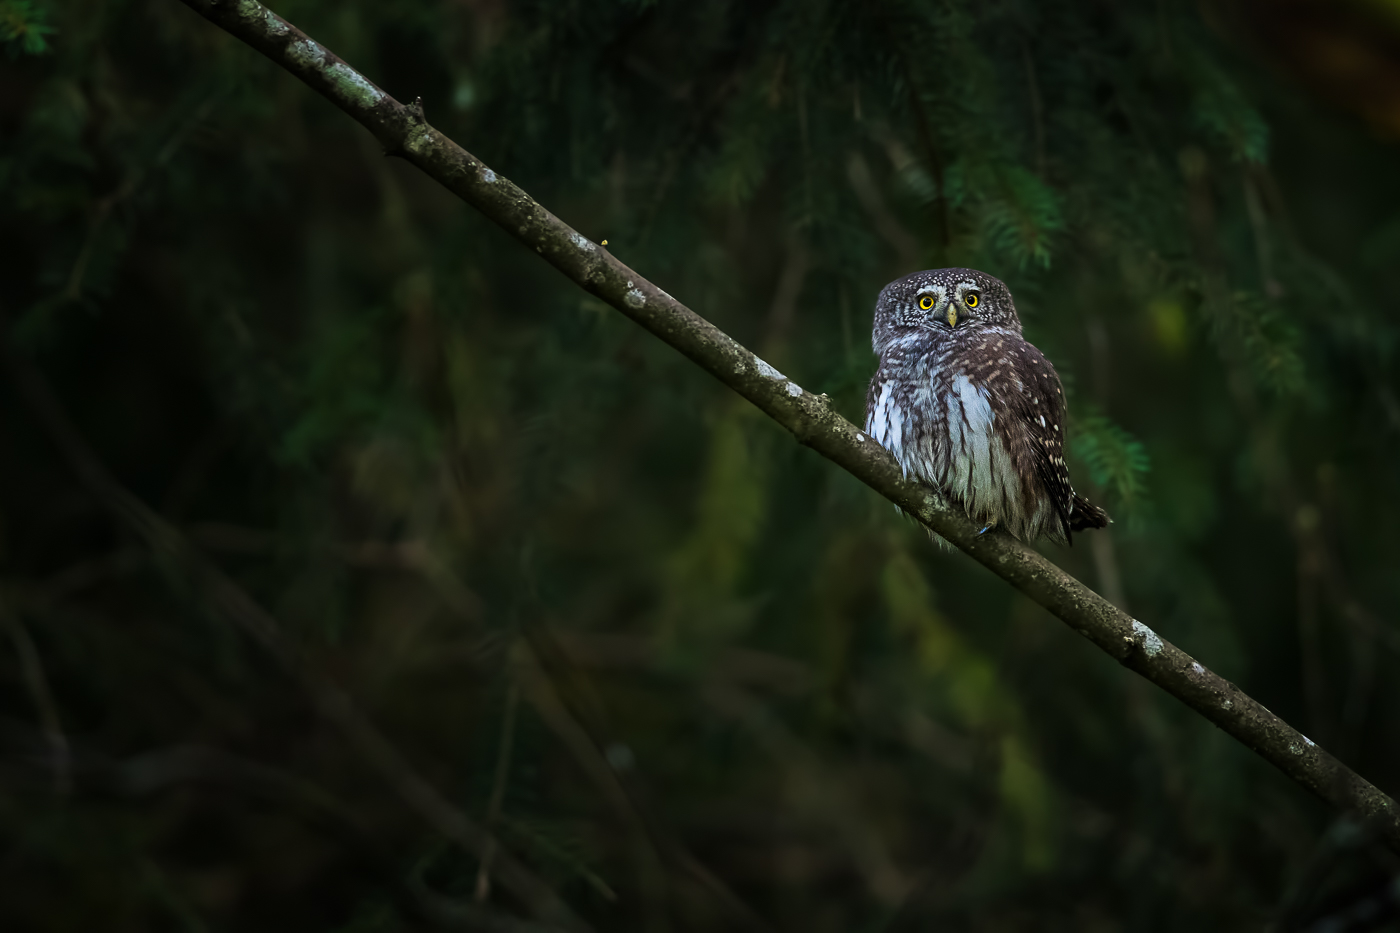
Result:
971,300
926,302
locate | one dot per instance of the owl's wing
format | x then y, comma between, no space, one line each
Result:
1040,408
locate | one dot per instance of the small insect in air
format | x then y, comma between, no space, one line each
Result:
967,406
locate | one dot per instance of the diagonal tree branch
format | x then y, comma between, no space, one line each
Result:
403,132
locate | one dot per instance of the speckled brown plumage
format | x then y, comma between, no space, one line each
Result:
968,406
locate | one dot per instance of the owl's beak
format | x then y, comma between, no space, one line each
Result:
952,315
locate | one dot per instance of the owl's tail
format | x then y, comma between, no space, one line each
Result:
1084,514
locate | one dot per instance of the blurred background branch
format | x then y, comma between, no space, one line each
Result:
188,568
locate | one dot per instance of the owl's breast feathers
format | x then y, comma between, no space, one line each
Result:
982,419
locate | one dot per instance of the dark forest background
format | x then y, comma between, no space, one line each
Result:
691,675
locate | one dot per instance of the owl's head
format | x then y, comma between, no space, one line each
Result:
942,303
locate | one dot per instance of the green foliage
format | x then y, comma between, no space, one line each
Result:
1013,211
1225,114
1267,339
1117,462
24,27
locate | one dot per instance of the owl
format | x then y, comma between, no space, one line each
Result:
967,406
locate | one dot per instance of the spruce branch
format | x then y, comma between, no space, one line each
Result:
403,132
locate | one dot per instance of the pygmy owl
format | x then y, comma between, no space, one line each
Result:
967,406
